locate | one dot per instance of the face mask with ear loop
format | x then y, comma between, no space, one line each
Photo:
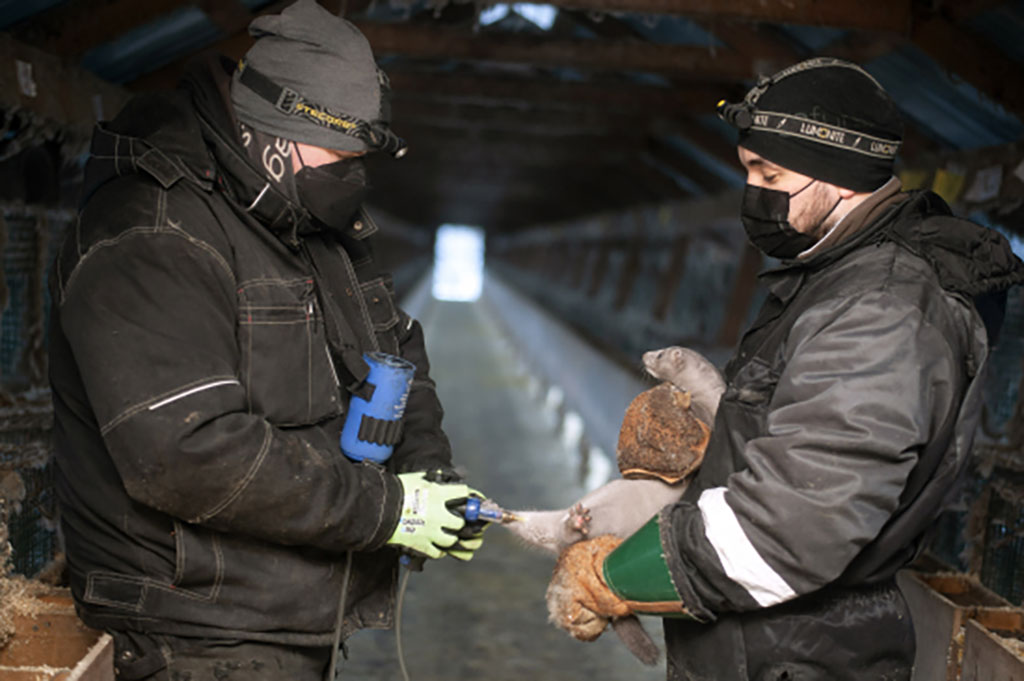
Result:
765,217
333,192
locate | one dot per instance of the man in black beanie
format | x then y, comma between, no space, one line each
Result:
848,416
213,312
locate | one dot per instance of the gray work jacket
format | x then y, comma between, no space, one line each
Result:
848,416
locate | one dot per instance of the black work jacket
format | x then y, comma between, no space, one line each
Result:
202,343
849,413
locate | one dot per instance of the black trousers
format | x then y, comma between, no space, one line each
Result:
152,657
837,634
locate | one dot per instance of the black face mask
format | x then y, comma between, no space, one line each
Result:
333,192
765,216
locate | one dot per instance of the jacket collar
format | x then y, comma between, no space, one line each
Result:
246,185
153,134
189,135
862,215
967,258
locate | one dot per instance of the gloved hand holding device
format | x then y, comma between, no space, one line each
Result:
471,536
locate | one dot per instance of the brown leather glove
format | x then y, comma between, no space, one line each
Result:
578,599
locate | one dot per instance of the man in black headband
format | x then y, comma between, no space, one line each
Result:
212,313
848,416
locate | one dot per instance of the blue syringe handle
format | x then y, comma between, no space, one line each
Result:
474,511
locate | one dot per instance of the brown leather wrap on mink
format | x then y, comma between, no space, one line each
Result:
660,437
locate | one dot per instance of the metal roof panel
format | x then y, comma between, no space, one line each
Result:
949,109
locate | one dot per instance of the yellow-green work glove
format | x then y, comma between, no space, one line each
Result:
426,526
465,549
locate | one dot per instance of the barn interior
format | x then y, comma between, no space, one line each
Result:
577,143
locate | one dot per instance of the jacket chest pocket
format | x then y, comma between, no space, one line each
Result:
742,416
285,365
753,385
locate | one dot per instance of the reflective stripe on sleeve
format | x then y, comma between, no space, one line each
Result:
191,391
742,563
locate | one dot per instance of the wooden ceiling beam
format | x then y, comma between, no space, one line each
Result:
965,10
894,15
506,124
231,16
447,177
435,42
487,198
408,83
558,94
707,181
708,141
638,184
763,44
955,48
436,172
659,186
499,213
492,216
977,61
546,122
469,154
761,41
623,141
606,27
72,29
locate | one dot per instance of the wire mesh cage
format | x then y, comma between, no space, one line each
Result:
33,529
29,237
1003,557
984,533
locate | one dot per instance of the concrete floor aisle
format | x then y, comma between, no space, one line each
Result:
487,619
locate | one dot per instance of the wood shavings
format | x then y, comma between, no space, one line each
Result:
20,596
34,454
43,672
29,410
1013,643
12,489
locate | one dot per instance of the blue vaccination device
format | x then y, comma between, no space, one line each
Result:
373,428
475,511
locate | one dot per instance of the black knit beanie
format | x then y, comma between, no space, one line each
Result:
825,118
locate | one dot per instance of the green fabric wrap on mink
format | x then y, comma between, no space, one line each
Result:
636,571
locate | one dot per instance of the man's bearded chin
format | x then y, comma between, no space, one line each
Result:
820,214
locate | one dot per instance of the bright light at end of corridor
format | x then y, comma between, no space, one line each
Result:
458,263
539,14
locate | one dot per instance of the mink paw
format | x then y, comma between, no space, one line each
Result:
579,519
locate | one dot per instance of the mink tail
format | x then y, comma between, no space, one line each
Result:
636,638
